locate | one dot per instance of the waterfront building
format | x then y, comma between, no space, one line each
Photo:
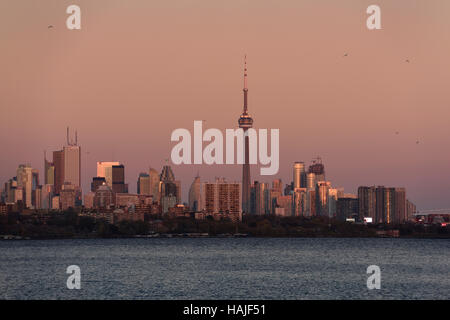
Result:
223,198
382,204
347,207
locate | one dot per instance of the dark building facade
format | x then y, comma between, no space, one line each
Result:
58,162
118,179
347,207
97,182
382,204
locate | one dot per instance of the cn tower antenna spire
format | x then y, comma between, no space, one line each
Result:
245,72
245,85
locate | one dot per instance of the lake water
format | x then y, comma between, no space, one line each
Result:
225,268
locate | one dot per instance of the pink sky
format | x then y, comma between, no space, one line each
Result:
139,69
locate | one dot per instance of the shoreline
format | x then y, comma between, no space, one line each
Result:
4,238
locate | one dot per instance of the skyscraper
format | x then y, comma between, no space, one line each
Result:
46,196
155,184
322,189
104,169
347,207
311,181
299,175
261,195
25,181
333,195
167,174
49,171
277,186
382,204
275,192
58,162
245,122
195,194
299,198
318,169
36,189
169,187
118,179
67,164
143,184
72,165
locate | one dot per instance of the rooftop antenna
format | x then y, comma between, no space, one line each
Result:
68,136
76,137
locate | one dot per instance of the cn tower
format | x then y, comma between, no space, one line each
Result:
245,122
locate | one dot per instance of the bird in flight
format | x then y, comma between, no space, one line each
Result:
407,60
345,55
50,26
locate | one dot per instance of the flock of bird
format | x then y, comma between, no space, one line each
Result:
396,132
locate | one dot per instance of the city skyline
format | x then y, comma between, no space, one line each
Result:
308,194
109,172
323,102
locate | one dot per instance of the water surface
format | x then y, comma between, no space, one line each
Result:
221,268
